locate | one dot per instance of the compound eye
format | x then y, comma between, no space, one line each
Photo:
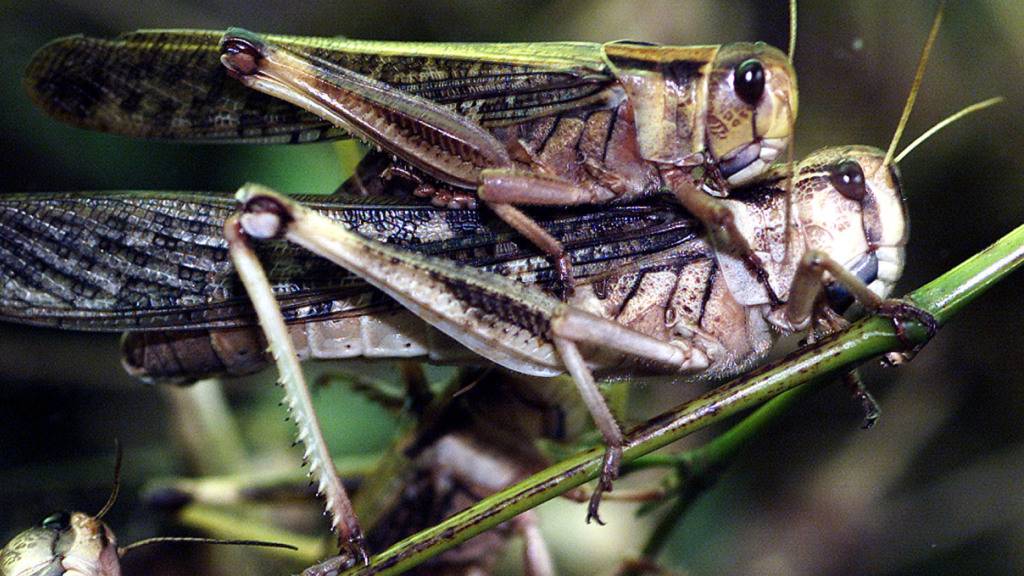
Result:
848,179
748,81
59,521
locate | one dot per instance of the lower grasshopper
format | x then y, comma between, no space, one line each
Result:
78,544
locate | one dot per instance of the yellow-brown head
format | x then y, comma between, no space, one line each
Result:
751,109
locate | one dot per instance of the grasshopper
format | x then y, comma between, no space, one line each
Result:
684,306
517,124
79,544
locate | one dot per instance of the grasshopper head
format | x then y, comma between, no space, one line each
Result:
752,105
850,206
64,543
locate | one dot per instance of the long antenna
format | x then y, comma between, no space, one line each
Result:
790,177
125,549
117,481
792,29
952,118
791,151
918,76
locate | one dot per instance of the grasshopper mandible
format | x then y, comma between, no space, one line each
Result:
78,544
518,124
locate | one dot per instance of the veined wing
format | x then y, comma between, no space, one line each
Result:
155,260
170,84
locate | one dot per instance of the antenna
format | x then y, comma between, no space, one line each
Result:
792,29
790,177
918,76
949,120
125,549
117,481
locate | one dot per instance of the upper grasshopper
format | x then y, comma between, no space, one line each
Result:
510,124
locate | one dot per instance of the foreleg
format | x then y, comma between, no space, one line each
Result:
809,281
720,221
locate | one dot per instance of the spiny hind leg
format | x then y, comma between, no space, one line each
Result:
297,395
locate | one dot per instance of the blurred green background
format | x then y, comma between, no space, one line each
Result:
934,488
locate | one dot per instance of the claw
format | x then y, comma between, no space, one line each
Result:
609,472
331,566
352,553
355,549
868,403
899,311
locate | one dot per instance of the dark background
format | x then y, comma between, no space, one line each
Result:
934,488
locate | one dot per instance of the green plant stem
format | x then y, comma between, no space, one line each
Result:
866,339
700,468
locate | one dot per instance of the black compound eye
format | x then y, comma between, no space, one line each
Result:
848,179
59,521
748,81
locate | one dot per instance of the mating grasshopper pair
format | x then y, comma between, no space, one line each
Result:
559,124
709,305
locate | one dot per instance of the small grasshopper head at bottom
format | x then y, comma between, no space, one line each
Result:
64,544
77,544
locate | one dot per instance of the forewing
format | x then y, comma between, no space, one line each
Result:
170,84
152,260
